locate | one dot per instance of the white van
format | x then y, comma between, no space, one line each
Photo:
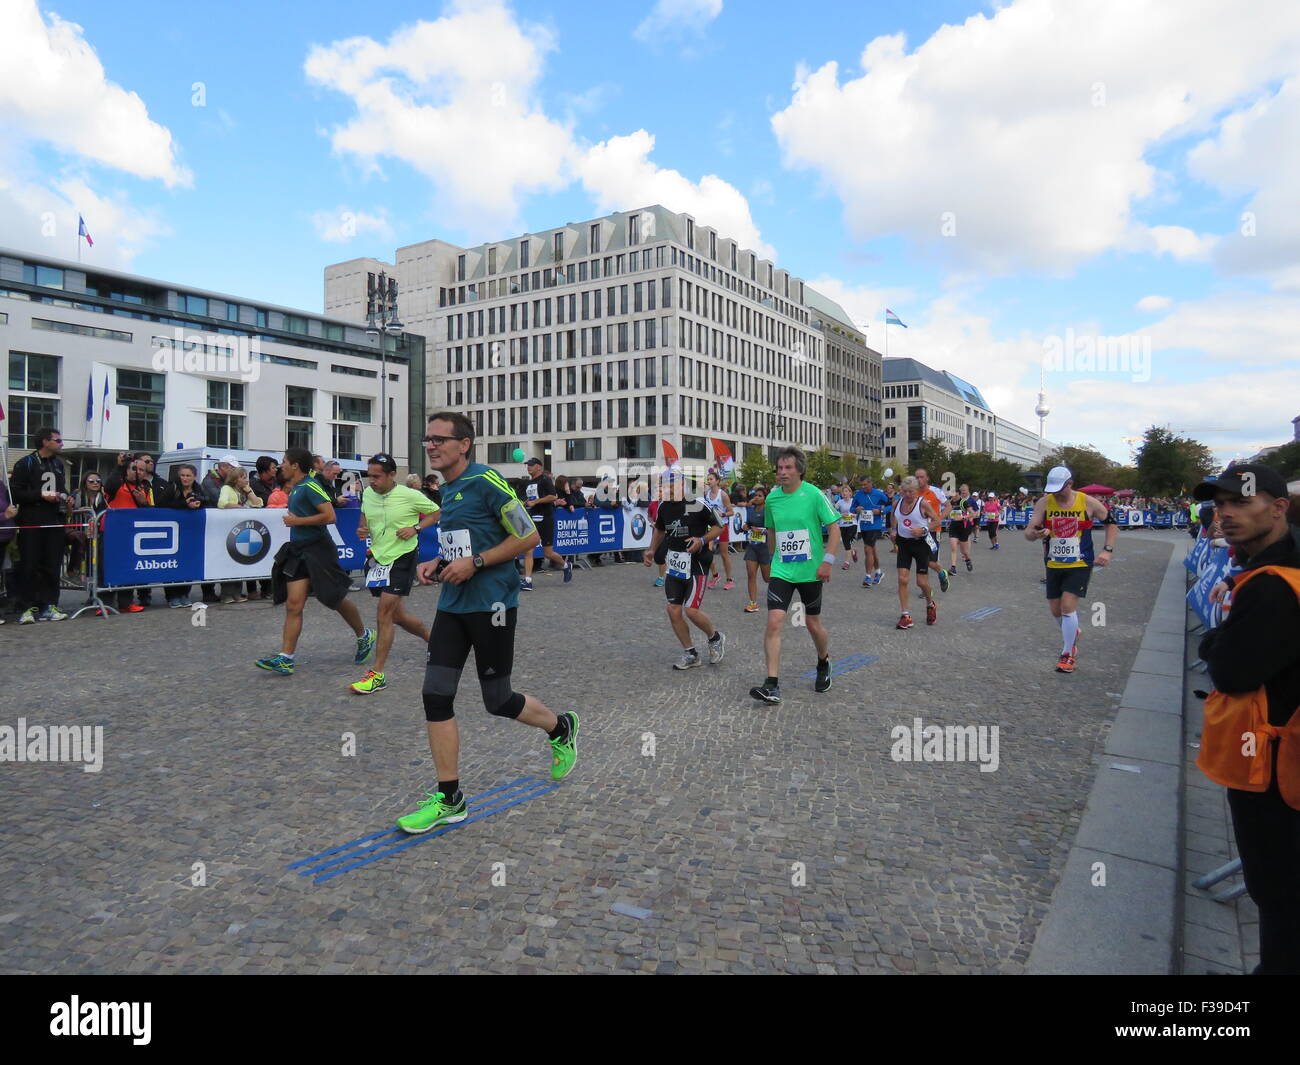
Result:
205,458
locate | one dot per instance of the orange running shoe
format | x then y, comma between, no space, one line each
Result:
931,612
1065,664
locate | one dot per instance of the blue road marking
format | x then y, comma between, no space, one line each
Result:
982,613
844,665
392,840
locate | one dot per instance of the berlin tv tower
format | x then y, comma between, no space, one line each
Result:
1042,409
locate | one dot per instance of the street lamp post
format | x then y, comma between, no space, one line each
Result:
381,321
775,427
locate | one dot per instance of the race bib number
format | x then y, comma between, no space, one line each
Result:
454,544
868,516
679,564
1064,549
794,546
758,536
930,543
377,575
531,491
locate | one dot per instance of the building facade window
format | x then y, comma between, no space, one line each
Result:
143,395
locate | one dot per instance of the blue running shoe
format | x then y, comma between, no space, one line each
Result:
365,646
280,663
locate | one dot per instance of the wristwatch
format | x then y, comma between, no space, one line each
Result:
1110,549
478,561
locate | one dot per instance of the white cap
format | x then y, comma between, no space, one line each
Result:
1056,478
228,460
992,495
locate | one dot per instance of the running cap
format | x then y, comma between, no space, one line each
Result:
1263,479
1056,478
228,460
992,495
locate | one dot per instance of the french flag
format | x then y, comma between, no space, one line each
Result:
83,232
108,414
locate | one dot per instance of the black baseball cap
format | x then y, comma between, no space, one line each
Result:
533,462
1236,480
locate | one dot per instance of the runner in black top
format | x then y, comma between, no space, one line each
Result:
685,530
539,498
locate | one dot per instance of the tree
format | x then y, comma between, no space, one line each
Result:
850,467
1169,465
823,468
1286,459
934,457
1087,464
755,469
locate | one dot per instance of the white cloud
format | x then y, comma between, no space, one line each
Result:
619,175
1256,150
53,89
344,224
455,99
1020,139
865,305
677,17
42,216
1154,303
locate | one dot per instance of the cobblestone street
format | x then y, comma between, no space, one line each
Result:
758,839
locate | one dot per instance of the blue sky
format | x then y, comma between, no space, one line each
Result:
1005,177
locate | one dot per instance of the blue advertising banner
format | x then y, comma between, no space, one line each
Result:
1196,556
1214,570
164,546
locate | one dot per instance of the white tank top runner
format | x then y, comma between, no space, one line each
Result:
911,523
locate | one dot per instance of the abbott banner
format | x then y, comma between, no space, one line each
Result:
591,531
164,546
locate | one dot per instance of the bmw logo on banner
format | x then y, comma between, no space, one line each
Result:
248,542
638,525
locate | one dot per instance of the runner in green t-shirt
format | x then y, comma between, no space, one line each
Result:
796,515
392,517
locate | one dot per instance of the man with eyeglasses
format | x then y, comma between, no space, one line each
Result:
392,518
39,487
482,529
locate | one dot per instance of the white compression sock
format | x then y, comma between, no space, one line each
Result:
1069,631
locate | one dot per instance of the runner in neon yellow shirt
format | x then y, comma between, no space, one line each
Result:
392,517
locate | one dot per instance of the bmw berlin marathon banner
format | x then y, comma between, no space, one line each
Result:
179,547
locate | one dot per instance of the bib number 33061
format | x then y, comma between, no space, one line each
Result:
793,546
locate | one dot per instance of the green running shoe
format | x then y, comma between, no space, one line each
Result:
566,750
365,645
435,810
280,663
369,684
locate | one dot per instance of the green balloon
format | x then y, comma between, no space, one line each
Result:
518,455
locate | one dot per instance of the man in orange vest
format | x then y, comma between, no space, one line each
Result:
1257,649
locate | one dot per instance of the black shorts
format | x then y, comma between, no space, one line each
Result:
914,549
546,530
848,533
780,593
757,551
400,578
960,531
1073,580
490,634
683,592
315,561
869,536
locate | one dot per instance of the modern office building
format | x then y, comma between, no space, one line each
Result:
921,402
185,367
854,382
598,340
